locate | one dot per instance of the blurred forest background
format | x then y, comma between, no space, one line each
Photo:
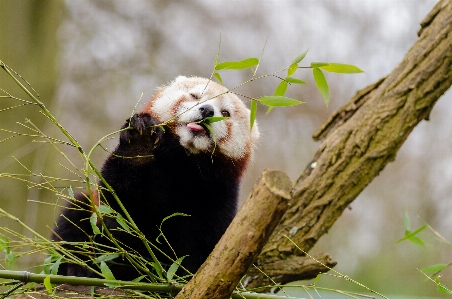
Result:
90,61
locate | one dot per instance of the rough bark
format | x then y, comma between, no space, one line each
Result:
243,240
358,141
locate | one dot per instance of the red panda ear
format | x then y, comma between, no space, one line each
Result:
180,78
147,107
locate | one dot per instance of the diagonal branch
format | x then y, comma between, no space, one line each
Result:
358,141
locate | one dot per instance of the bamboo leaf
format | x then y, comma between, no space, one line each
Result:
322,85
55,266
318,64
122,222
316,279
270,108
281,89
71,193
406,221
218,77
442,289
341,68
157,269
253,112
105,209
215,62
93,221
278,101
292,69
213,119
10,257
409,235
434,268
48,285
237,65
106,272
47,265
172,270
295,80
300,57
105,258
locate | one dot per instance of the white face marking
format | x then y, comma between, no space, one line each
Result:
181,101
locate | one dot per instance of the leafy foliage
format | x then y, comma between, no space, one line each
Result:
281,89
434,270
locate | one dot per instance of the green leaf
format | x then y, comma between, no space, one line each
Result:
237,65
106,272
270,108
278,101
212,132
442,289
341,68
292,69
317,278
300,57
105,209
406,221
172,270
139,278
122,222
218,53
281,89
48,285
105,258
157,269
71,193
213,119
318,64
93,221
47,265
253,112
5,245
218,77
322,85
434,268
55,266
295,80
10,257
409,235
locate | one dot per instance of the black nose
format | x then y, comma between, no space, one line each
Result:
206,111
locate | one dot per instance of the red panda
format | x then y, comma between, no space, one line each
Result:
168,161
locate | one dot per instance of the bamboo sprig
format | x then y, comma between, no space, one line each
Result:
169,288
89,167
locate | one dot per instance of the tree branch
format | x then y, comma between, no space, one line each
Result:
358,141
243,240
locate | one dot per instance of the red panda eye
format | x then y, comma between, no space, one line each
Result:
225,113
195,96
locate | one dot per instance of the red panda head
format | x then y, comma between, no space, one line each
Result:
186,101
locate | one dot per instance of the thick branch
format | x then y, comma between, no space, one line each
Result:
360,139
243,240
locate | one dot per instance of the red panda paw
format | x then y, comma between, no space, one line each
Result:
140,126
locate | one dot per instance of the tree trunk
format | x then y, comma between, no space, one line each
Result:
358,141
